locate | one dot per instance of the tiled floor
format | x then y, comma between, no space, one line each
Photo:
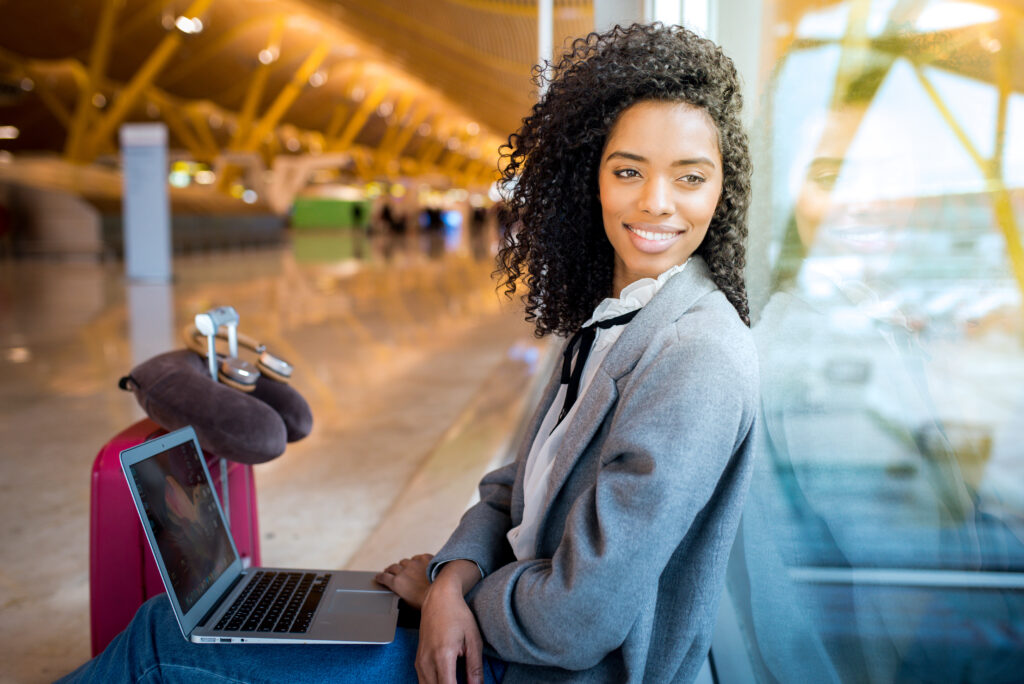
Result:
390,357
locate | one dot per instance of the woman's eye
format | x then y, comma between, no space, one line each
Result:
825,181
626,173
693,179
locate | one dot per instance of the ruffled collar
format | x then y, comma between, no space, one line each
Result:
634,296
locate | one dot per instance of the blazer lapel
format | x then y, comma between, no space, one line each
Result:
674,299
677,296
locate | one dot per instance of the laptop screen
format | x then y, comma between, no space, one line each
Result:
182,512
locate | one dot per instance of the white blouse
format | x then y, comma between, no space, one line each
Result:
541,458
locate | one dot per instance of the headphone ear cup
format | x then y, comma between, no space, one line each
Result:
228,382
238,374
273,367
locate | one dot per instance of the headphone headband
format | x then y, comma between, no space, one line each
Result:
274,367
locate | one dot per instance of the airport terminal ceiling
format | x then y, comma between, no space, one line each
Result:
375,89
427,88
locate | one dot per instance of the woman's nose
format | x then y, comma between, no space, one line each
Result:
656,198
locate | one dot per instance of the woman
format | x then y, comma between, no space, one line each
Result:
599,554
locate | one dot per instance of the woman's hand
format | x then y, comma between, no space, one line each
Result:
448,630
408,579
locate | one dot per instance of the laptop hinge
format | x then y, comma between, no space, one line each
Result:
218,604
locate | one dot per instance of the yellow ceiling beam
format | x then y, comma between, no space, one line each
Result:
947,116
360,116
364,167
338,116
144,18
1004,63
56,107
405,101
472,57
98,57
526,10
993,173
431,153
287,96
170,112
179,126
254,94
209,50
334,125
142,79
201,124
418,117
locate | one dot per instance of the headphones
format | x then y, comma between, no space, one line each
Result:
231,370
249,426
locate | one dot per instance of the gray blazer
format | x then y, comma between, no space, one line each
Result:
645,501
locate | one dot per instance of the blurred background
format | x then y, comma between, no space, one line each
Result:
327,168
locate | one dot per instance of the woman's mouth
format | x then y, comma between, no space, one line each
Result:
651,241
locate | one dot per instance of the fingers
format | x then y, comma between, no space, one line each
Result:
474,658
437,668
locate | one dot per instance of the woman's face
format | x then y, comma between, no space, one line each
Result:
659,183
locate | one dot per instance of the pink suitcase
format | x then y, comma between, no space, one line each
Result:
122,572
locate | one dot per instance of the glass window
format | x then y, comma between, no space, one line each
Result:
884,535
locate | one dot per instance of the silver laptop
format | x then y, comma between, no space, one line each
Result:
215,598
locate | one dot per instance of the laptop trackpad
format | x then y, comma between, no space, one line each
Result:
362,602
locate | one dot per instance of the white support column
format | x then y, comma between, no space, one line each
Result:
146,208
150,319
699,16
736,26
608,13
147,239
545,34
668,12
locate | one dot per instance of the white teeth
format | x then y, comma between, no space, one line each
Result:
647,235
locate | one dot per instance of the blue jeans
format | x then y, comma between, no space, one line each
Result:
152,649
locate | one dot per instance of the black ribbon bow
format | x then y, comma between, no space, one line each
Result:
584,340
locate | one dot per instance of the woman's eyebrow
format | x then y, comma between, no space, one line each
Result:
696,161
679,162
626,155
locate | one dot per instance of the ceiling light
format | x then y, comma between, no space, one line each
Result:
472,128
189,25
99,100
317,78
179,179
992,44
18,355
27,84
9,132
268,55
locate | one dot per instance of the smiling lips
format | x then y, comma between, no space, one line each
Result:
652,241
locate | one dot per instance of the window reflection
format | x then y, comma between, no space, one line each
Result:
884,538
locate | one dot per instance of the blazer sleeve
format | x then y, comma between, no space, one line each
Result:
480,535
677,424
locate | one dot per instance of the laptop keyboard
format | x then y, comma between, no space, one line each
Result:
276,602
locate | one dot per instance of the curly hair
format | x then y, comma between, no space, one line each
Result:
557,243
